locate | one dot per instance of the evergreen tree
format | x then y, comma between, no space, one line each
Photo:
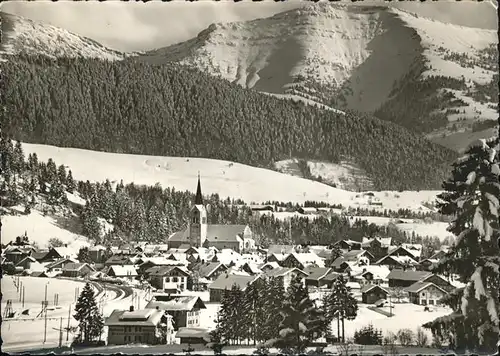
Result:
273,301
302,320
70,183
83,255
336,253
471,197
50,171
61,174
91,225
341,302
57,194
90,320
253,307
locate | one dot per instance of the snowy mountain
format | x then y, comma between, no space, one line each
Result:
354,57
20,35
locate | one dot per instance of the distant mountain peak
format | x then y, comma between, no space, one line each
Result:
21,35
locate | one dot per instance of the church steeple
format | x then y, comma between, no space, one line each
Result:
199,198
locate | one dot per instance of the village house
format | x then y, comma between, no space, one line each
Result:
227,257
77,270
401,278
193,336
250,268
118,260
348,245
16,254
168,275
127,271
414,249
29,263
210,270
286,275
427,264
281,249
185,310
315,275
328,280
57,266
199,233
61,252
302,260
351,258
141,326
97,253
425,293
378,247
371,293
307,210
226,282
369,274
146,263
276,257
402,262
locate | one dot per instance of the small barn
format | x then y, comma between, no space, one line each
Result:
193,336
370,293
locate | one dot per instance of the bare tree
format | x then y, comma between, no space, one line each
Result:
406,337
389,345
421,338
344,347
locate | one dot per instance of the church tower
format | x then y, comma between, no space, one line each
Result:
198,220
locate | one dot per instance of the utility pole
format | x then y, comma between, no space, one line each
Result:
45,307
69,318
60,333
24,294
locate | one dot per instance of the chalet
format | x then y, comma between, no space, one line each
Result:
16,254
401,278
307,210
348,245
97,253
371,293
328,280
286,275
185,310
425,293
40,256
250,268
269,208
77,270
354,258
199,233
144,264
227,257
302,260
211,270
141,326
276,257
193,336
61,252
57,266
414,249
402,251
439,281
427,264
126,271
369,274
29,263
315,275
404,262
378,247
269,266
169,274
118,260
226,282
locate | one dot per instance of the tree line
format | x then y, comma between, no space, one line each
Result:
266,314
168,110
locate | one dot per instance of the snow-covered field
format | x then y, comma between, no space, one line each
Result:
41,229
28,330
225,178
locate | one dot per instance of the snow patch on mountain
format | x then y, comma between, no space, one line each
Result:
20,35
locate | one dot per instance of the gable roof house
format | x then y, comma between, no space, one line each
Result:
302,260
425,293
402,262
407,251
126,271
185,310
286,275
29,263
352,258
226,282
371,293
77,270
118,260
377,246
371,274
140,326
401,278
166,276
348,244
57,266
280,249
315,275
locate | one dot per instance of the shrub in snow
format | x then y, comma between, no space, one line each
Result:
406,337
421,338
368,335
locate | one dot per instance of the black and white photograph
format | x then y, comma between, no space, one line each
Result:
250,178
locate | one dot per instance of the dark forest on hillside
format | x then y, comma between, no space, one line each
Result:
137,108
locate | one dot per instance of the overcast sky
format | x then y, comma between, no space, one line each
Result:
137,26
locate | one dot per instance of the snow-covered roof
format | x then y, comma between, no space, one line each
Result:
308,258
379,272
123,271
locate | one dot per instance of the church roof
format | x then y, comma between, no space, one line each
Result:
224,232
198,200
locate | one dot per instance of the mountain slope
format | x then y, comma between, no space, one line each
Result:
173,111
20,35
365,58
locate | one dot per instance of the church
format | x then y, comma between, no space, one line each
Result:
199,233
